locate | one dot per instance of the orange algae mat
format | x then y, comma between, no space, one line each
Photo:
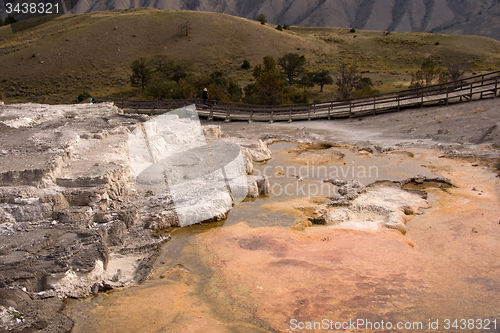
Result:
275,279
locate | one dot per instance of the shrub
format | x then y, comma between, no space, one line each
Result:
297,97
429,73
9,19
279,27
286,26
352,30
261,18
83,96
246,64
437,43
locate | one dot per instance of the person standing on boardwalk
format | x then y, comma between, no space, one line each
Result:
204,95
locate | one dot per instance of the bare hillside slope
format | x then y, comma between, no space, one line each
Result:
479,17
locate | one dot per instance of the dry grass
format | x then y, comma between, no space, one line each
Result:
85,52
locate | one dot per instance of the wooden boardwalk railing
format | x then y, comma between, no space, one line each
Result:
468,89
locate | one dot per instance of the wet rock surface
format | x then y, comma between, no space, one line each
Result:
72,223
356,263
348,190
389,204
72,220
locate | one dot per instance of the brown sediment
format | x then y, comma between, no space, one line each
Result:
178,297
163,306
301,208
305,146
319,153
452,270
258,279
316,274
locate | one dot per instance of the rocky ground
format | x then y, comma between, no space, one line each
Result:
466,129
73,221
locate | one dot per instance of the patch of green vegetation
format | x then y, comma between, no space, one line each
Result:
245,64
394,41
83,96
332,39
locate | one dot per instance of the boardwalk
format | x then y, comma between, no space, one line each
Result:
465,90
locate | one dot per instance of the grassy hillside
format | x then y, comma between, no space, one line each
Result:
57,60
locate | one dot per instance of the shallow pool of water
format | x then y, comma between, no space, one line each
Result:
252,273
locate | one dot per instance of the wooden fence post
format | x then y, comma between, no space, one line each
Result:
251,116
309,113
228,116
272,114
122,103
447,93
350,109
211,114
399,104
496,86
374,105
470,98
290,116
329,107
136,108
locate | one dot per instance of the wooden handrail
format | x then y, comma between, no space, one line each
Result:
463,89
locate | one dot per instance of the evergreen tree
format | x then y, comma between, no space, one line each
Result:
322,78
306,81
246,64
9,20
269,87
140,73
292,65
261,18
